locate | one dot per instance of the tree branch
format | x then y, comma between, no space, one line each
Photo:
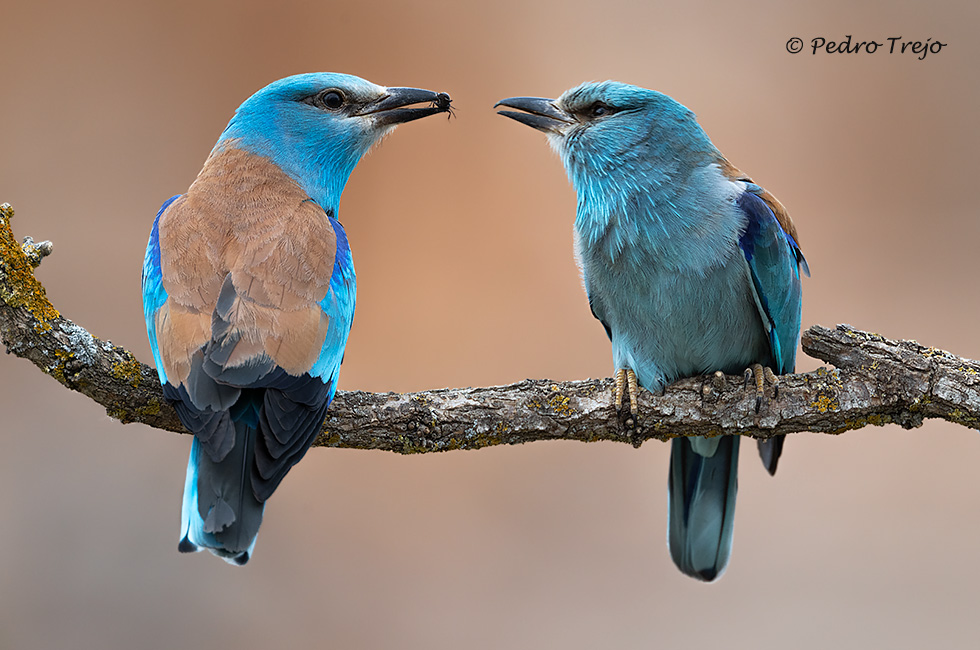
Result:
876,381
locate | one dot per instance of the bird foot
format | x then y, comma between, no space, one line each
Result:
761,374
626,382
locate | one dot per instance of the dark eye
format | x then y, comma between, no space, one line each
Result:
331,99
598,110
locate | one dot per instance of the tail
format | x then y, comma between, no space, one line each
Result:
770,450
701,492
220,511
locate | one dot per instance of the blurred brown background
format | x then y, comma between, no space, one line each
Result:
461,232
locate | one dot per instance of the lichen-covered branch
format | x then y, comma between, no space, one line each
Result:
32,328
876,381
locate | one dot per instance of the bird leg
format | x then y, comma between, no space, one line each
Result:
626,378
761,374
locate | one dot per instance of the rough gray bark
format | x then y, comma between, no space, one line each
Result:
876,381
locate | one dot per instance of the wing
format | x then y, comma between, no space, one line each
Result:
295,407
338,306
598,310
775,261
154,295
595,303
771,247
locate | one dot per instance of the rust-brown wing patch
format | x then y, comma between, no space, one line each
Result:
778,209
244,218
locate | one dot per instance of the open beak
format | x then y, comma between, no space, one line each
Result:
392,107
539,113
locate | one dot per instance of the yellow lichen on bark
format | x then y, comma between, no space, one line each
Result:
18,286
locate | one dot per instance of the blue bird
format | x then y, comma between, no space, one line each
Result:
248,292
691,268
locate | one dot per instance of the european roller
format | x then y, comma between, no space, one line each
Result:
248,292
691,268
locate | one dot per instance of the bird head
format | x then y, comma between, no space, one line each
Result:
317,126
616,138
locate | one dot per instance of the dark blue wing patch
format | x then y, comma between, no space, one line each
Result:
151,263
154,295
775,261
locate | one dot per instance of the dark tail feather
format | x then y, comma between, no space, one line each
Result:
770,450
220,511
701,504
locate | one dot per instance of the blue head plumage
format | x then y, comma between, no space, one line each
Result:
317,126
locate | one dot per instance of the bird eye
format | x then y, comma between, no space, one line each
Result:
598,110
331,99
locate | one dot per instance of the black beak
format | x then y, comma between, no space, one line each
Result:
540,113
390,109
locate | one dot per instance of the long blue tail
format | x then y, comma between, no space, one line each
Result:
701,492
220,511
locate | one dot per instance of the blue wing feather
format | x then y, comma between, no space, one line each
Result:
338,304
154,295
775,262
